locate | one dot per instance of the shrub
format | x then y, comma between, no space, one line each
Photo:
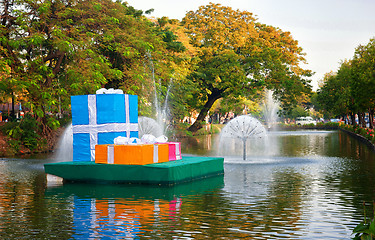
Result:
24,133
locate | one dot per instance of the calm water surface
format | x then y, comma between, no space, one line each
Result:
305,185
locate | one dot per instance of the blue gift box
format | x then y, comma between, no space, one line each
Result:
99,119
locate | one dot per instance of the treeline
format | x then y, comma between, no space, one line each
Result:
350,92
50,50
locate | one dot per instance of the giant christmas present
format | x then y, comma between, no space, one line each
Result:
99,119
137,154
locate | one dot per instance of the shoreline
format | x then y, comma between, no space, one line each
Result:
6,151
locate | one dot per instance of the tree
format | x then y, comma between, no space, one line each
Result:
363,80
55,49
236,55
335,95
352,89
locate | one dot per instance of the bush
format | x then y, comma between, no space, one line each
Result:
15,145
369,134
24,133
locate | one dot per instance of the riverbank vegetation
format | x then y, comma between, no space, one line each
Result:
349,93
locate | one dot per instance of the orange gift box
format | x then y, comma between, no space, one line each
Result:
139,154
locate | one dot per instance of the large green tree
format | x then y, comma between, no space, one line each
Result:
238,56
334,96
50,50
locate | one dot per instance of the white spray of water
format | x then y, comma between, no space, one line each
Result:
65,145
161,110
243,130
270,109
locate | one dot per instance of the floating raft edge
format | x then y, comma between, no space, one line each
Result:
168,173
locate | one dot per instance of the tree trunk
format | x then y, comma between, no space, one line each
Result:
13,111
361,119
215,95
371,118
352,118
364,120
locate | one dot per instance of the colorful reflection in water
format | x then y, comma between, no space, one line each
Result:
100,211
126,218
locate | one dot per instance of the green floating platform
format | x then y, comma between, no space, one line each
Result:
168,173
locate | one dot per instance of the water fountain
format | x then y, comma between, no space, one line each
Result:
270,108
242,129
161,110
64,151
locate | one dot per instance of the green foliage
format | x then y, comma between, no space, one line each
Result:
52,50
170,38
24,133
335,95
366,229
332,124
352,89
298,112
53,123
15,145
188,133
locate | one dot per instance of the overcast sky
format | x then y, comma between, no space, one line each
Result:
327,30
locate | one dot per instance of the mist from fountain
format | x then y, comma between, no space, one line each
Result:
162,113
64,150
270,108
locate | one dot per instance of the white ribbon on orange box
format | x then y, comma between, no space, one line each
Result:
111,154
156,153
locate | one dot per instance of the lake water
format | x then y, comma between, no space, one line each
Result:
305,185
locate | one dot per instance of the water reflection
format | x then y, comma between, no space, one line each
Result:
312,186
128,211
278,143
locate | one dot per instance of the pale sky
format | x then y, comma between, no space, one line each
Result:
327,30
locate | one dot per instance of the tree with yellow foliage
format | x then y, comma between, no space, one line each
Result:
238,56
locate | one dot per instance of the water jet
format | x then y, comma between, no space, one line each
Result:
243,128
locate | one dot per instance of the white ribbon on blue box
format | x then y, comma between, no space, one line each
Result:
99,119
